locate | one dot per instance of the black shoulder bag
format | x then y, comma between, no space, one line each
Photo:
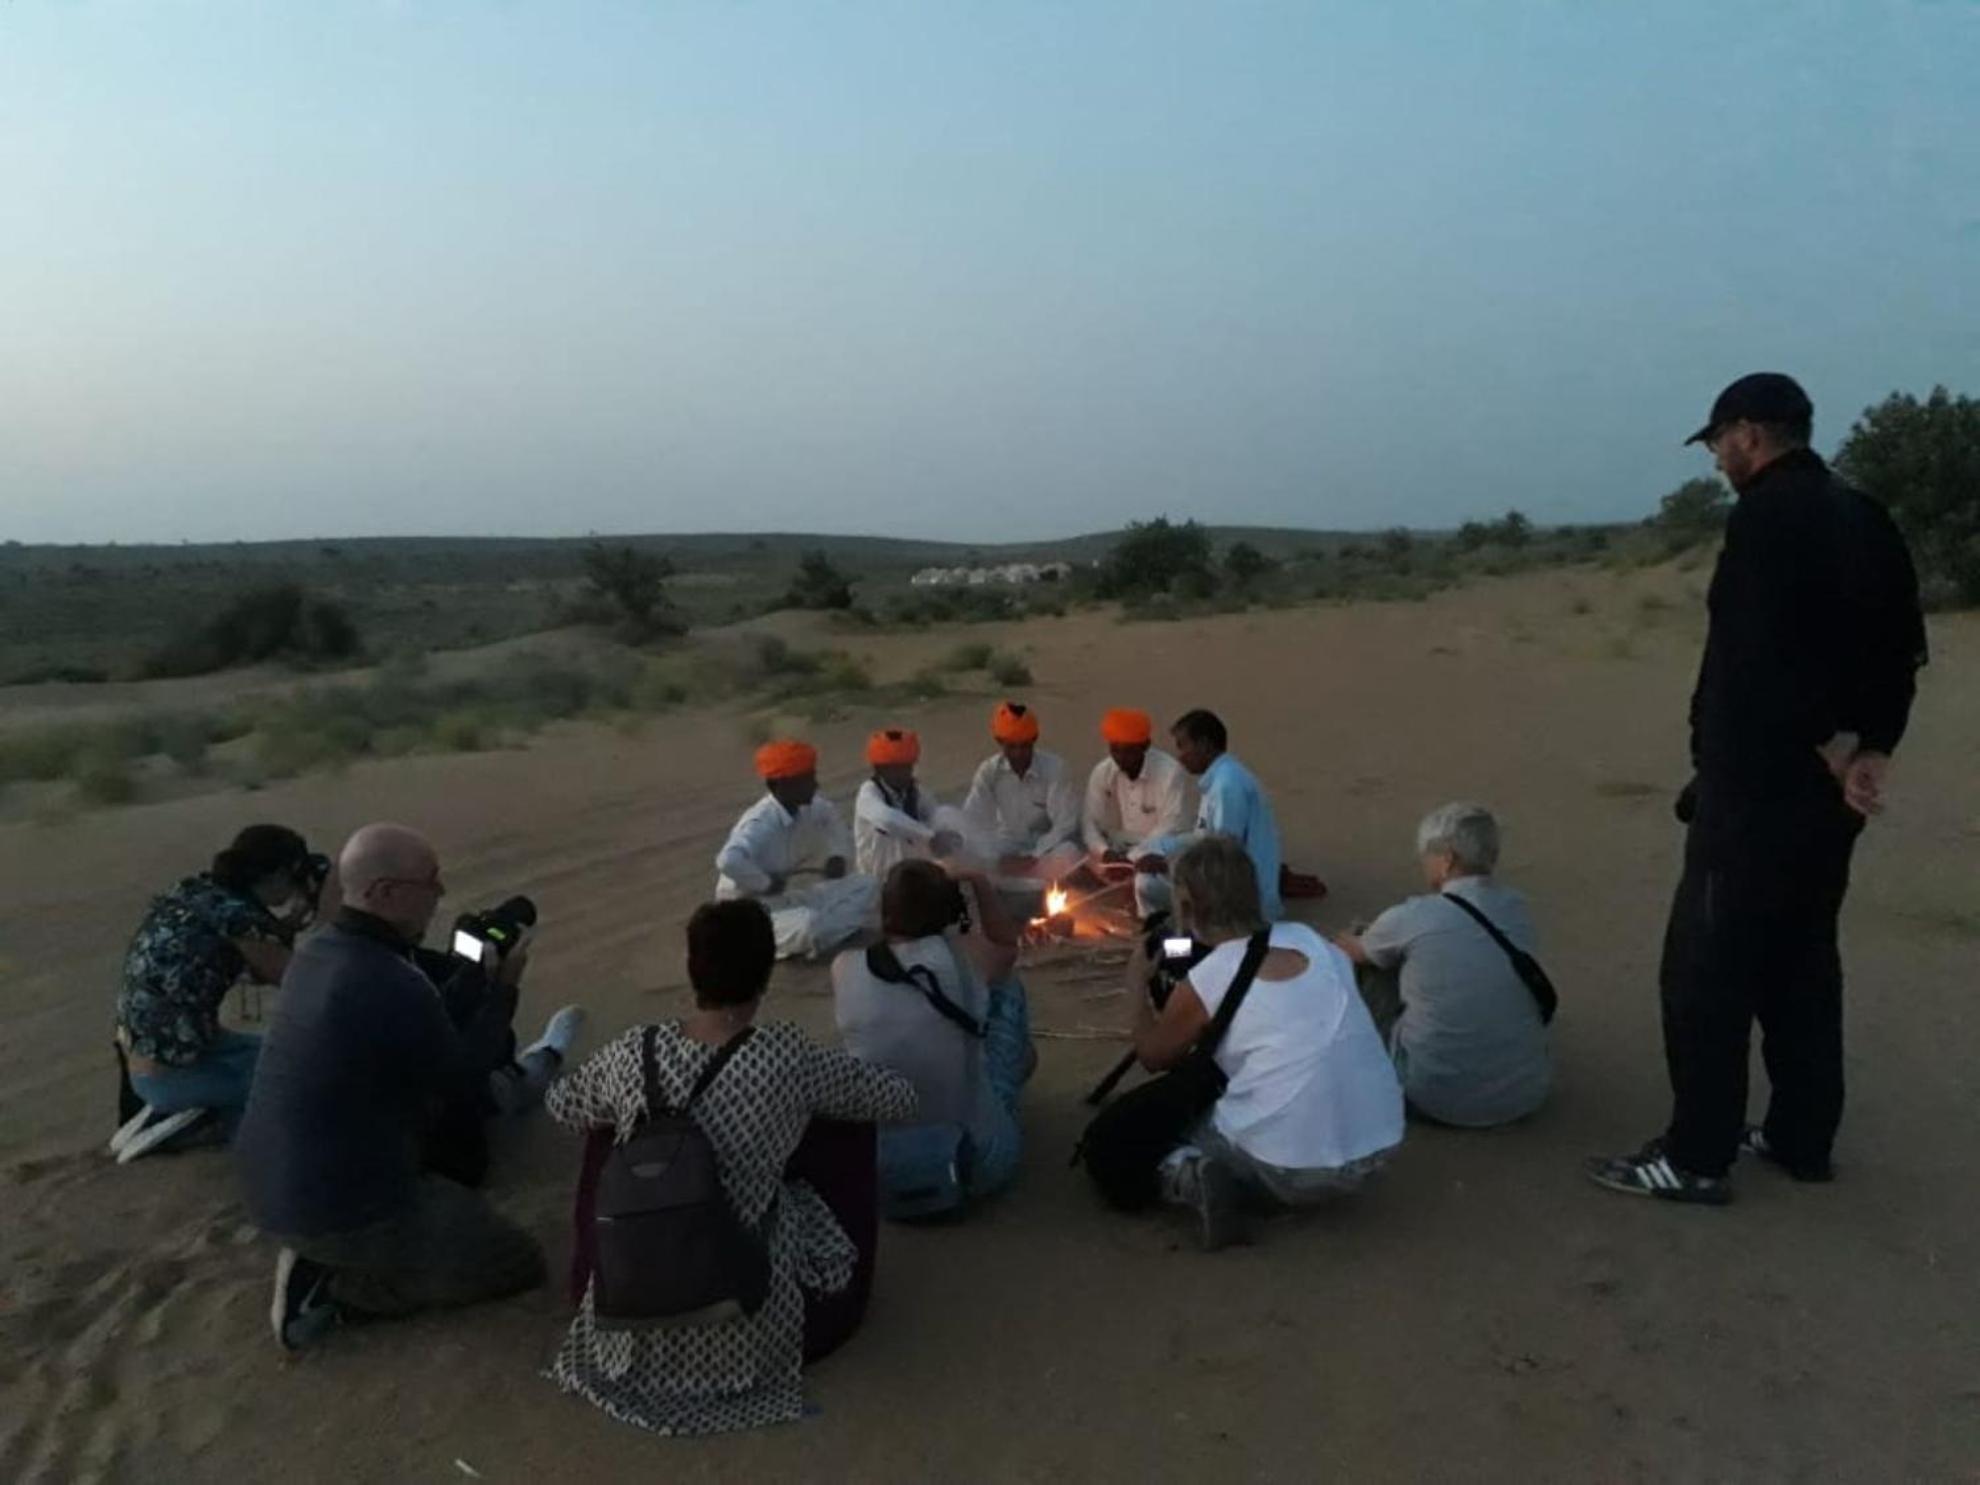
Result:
1126,1142
886,965
1524,964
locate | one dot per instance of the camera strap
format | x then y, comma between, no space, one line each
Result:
1524,964
886,965
1255,951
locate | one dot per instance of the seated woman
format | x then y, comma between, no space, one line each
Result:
744,1372
1468,1039
195,944
939,1001
1312,1107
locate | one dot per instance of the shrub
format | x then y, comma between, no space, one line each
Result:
818,585
1009,670
103,776
1157,556
631,585
1693,513
1245,564
1922,459
970,657
463,730
280,621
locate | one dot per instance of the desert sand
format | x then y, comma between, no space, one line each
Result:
1483,1313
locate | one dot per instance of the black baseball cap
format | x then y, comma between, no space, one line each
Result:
1763,397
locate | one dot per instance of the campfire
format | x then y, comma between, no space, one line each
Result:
1057,920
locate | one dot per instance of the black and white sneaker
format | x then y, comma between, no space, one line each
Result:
1649,1172
1755,1142
302,1312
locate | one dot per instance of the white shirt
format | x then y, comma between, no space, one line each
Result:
886,834
770,842
1028,816
1311,1086
1123,814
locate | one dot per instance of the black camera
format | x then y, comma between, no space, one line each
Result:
1171,956
500,927
311,873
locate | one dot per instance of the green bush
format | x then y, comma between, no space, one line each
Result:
463,730
969,657
279,621
1008,670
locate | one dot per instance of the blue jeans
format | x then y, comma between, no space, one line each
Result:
218,1080
1007,1063
919,1162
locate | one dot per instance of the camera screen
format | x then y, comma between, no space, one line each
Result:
467,945
1177,948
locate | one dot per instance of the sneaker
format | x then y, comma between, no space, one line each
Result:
302,1311
560,1033
130,1129
141,1137
1649,1172
1755,1142
1220,1220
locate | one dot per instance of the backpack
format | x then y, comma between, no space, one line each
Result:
671,1249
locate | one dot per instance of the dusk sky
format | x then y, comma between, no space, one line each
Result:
985,271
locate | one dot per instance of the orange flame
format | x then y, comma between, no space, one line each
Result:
1056,901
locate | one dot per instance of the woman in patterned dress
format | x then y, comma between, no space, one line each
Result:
196,943
745,1372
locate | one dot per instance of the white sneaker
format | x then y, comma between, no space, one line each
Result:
150,1136
130,1129
559,1033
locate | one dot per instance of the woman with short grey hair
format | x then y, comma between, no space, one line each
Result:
1468,1040
1312,1107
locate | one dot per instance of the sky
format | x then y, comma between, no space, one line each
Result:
998,270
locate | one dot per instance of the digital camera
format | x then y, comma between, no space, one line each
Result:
500,927
1171,956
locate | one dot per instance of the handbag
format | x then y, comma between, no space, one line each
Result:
1125,1143
1524,964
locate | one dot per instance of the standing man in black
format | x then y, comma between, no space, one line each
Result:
1809,670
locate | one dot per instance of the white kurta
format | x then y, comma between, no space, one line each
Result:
1124,814
886,833
769,846
1036,815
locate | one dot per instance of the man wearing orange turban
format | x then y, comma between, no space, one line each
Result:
790,851
894,817
1136,794
1022,801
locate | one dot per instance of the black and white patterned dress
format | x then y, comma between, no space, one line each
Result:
741,1373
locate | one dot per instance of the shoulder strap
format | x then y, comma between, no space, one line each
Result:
886,965
715,1065
1240,986
1524,964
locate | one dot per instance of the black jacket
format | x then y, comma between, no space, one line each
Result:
358,1050
1815,628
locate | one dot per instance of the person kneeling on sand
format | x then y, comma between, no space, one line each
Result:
196,943
359,1055
789,1169
1312,1107
939,1001
1465,1030
794,831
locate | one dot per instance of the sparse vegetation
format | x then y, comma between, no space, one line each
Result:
1009,670
1922,459
278,622
628,587
818,585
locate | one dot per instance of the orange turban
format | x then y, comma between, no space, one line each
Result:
1014,722
785,759
893,745
1124,727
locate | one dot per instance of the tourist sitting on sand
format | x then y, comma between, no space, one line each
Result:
893,816
358,1053
1312,1107
196,943
1022,802
1230,802
795,832
1136,794
759,1113
1464,1029
939,1001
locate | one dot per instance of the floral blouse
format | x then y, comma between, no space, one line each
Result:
181,964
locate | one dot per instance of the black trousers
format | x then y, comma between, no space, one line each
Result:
1752,937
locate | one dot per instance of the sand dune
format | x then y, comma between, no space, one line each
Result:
1482,1314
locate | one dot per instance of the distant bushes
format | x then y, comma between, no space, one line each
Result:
626,588
818,585
1922,459
279,621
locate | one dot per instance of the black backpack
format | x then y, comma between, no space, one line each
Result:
671,1249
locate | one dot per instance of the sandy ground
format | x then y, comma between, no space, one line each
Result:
1483,1313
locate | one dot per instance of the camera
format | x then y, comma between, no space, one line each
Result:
1171,956
500,927
311,873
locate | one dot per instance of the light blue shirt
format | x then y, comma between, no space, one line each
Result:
1231,802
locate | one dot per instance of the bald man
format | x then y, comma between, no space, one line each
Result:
358,1057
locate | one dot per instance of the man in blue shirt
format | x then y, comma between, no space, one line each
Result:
1230,802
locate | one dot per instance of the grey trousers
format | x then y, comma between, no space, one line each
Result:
448,1247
